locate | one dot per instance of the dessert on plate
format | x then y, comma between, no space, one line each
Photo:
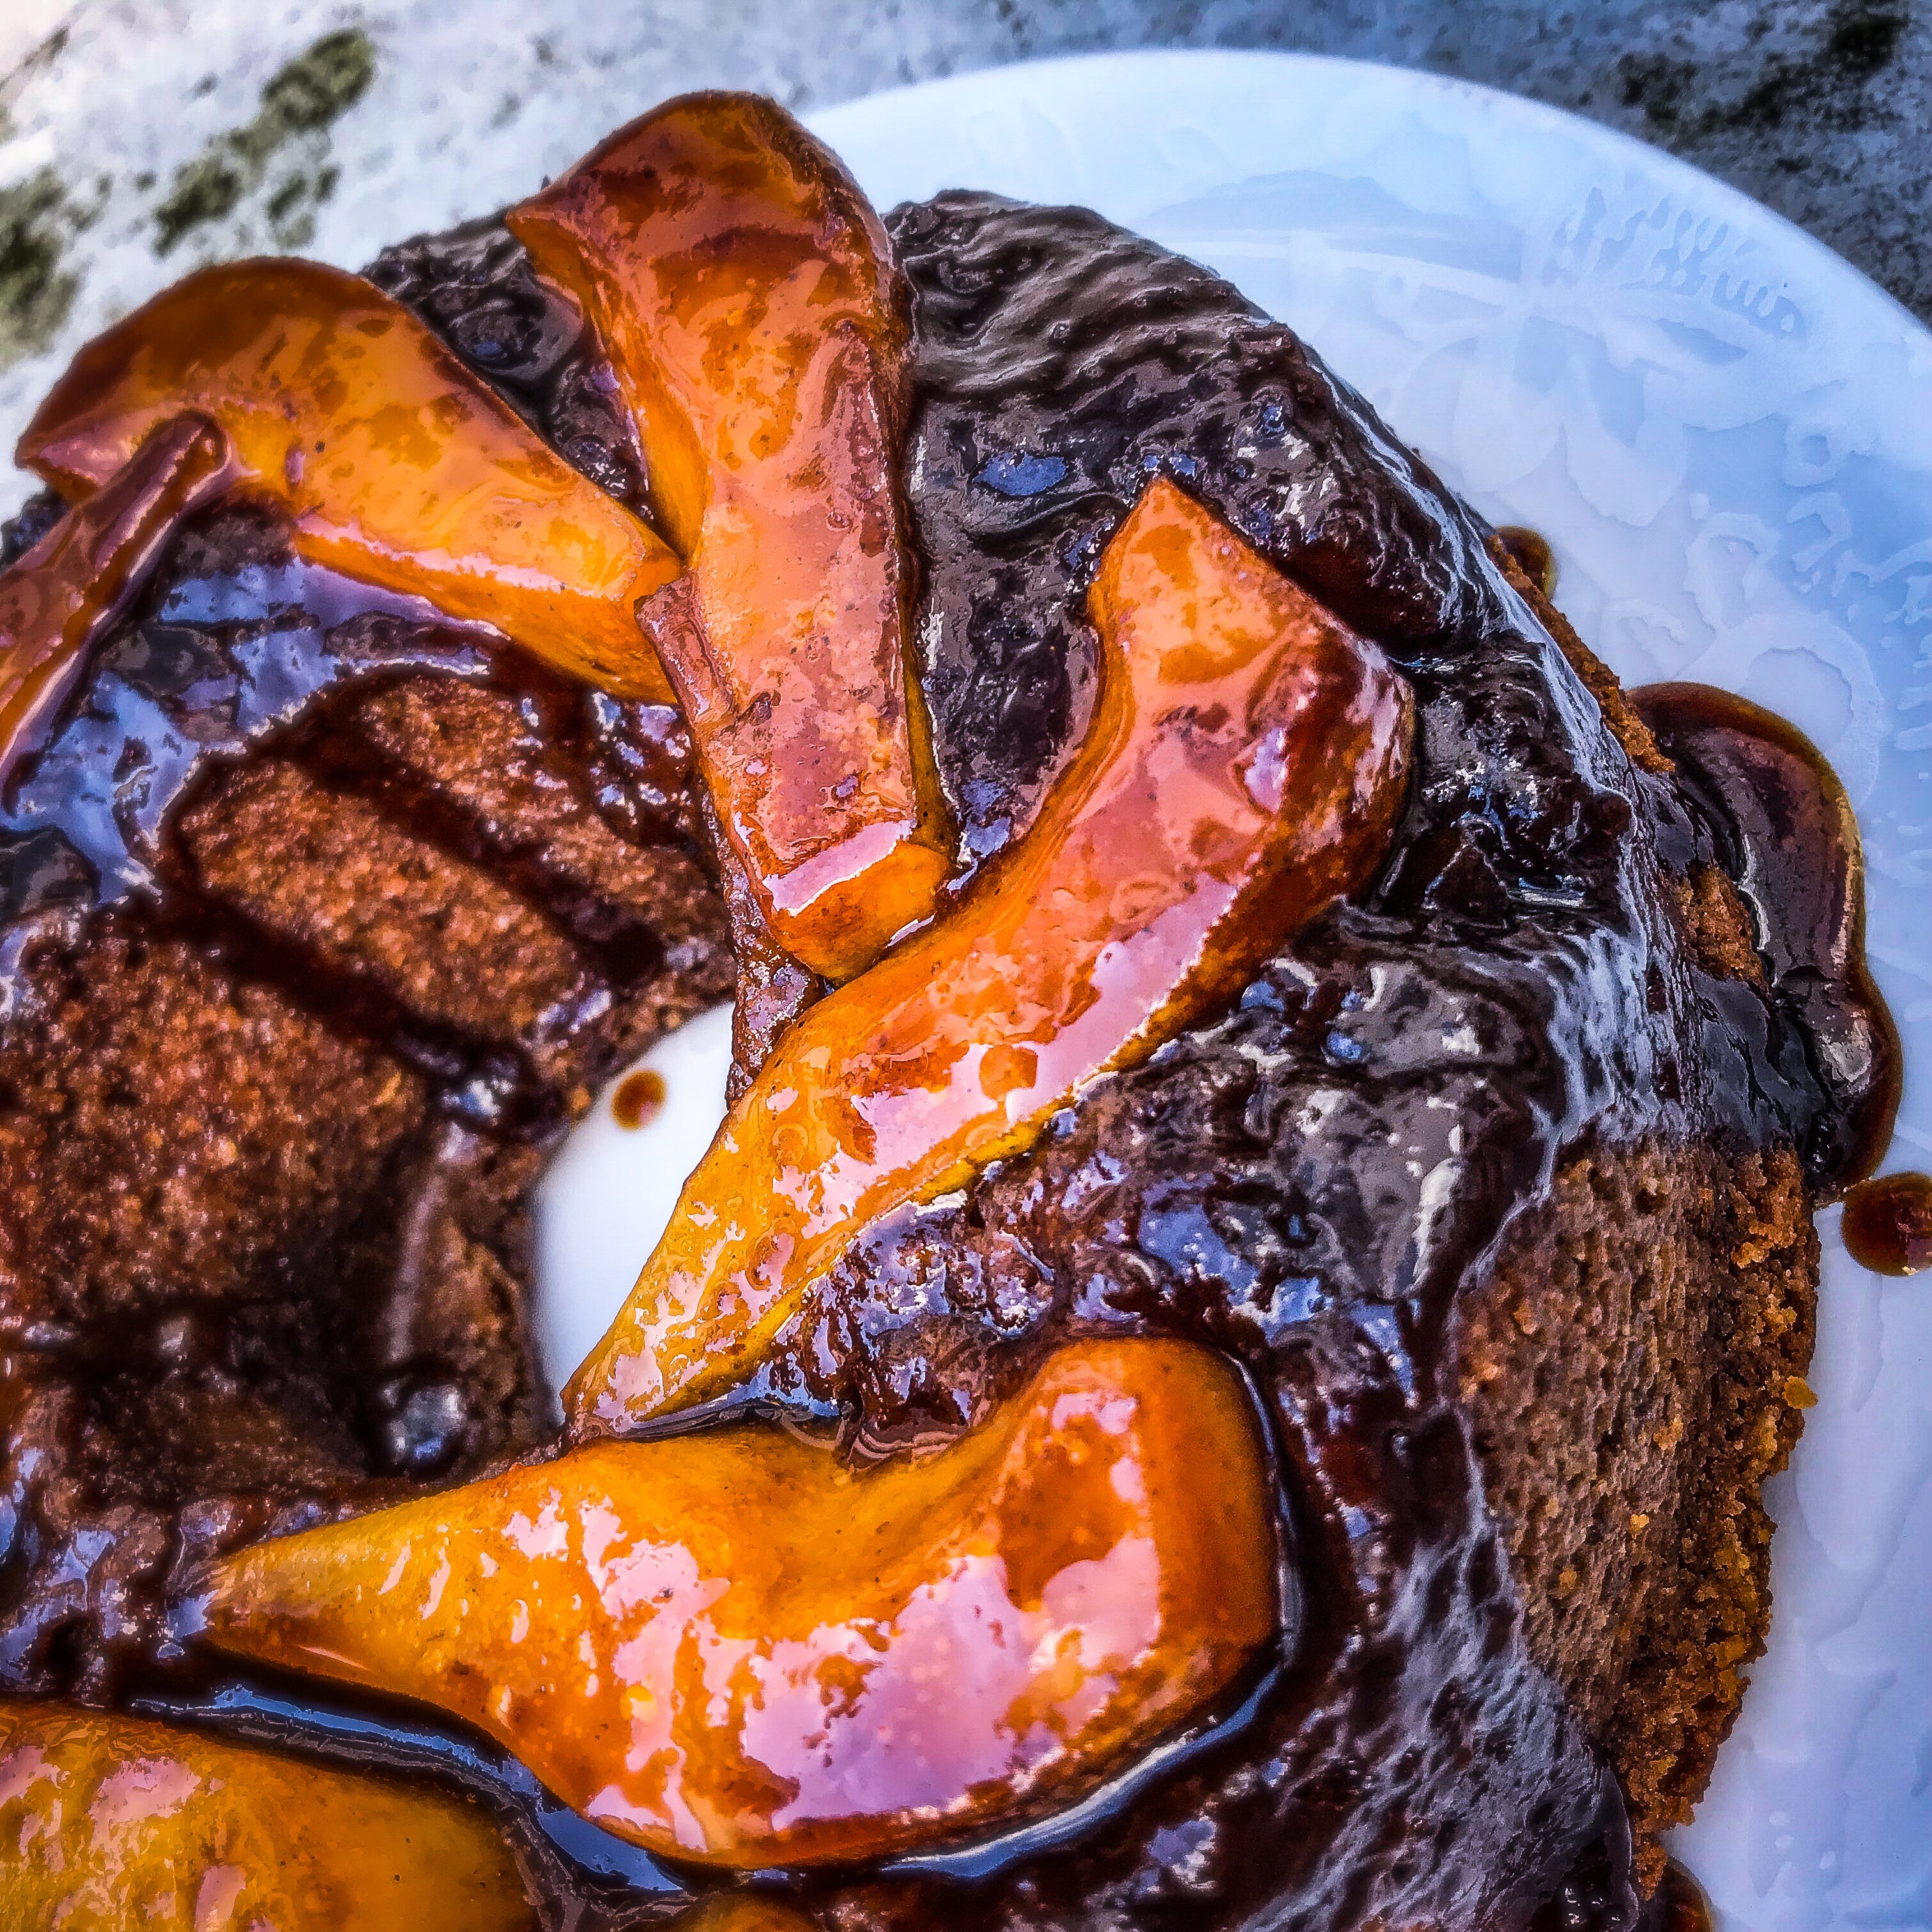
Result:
1219,1370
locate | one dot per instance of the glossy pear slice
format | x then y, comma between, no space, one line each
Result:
746,295
726,1646
1244,768
108,1823
59,598
397,464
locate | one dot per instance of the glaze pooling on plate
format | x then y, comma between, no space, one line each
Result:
1888,1224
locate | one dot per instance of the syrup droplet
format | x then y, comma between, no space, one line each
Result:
1888,1224
1530,552
639,1098
1680,1904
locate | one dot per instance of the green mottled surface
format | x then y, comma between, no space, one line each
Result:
35,291
304,97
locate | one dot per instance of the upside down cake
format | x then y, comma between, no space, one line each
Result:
1219,1370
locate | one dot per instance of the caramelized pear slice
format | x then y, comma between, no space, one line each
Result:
747,296
397,464
59,598
1244,768
727,1647
109,1823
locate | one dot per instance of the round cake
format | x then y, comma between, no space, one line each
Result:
1451,1183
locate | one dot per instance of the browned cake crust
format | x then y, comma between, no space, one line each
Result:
1638,741
1634,1370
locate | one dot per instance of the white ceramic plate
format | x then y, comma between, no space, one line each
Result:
1724,430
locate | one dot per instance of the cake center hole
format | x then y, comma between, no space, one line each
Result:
610,1193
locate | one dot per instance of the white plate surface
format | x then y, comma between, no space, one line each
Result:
1726,434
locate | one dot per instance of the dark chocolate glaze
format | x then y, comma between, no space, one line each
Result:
1308,1181
1061,363
1598,1889
19,533
475,287
1775,818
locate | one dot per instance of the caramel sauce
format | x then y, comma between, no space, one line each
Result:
1888,1223
1780,825
1530,552
639,1098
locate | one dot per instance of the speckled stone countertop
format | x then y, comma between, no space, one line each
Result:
139,137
